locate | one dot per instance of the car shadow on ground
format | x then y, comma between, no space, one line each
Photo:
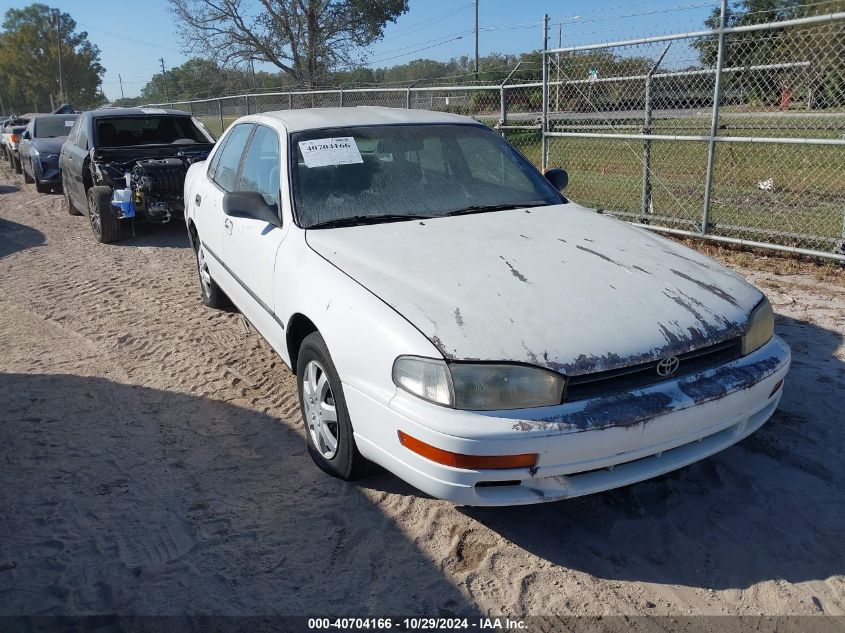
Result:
124,499
769,508
8,189
16,237
170,235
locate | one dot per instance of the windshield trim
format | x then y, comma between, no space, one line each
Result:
291,158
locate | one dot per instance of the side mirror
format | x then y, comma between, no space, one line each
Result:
250,204
26,135
558,177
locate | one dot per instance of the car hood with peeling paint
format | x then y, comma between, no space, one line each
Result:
561,287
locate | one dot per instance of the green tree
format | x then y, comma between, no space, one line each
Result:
304,38
821,84
29,60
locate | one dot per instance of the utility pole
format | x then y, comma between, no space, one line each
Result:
476,40
120,79
557,61
57,18
164,76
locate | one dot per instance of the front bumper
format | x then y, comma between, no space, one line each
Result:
583,447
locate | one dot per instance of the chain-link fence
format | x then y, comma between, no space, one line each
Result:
734,134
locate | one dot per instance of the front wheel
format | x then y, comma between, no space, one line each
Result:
26,177
103,216
328,430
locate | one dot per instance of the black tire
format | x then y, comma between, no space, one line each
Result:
16,165
26,177
212,295
41,188
346,462
103,216
71,208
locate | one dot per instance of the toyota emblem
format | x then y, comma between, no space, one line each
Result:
668,366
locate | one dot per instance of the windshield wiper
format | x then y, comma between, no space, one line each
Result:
483,208
360,220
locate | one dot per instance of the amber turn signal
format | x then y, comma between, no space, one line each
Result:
468,462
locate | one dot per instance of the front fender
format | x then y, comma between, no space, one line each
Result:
364,335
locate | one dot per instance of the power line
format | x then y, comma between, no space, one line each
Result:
424,24
125,38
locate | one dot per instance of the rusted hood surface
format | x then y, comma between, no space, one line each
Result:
561,287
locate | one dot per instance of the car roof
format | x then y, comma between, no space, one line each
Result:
319,118
127,112
54,116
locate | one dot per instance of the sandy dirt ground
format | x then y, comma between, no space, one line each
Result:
152,461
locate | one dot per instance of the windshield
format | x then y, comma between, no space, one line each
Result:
388,172
148,130
51,127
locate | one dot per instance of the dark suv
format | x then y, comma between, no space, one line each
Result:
123,164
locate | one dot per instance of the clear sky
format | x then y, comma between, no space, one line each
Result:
134,34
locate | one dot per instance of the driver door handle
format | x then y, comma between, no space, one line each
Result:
227,224
198,199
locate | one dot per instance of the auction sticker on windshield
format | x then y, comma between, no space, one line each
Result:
322,152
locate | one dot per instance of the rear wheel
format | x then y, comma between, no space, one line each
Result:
16,165
328,430
102,215
212,296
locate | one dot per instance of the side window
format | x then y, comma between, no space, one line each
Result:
82,135
226,172
74,131
212,166
261,166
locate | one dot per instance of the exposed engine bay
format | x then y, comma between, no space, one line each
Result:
149,188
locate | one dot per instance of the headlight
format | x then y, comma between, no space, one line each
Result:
760,328
424,377
478,386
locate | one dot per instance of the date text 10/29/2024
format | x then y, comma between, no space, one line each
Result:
416,624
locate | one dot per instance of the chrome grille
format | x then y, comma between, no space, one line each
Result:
612,381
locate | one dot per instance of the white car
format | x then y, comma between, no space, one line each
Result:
452,317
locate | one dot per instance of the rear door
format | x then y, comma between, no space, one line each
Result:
249,245
222,177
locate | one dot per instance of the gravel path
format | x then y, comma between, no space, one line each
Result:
152,461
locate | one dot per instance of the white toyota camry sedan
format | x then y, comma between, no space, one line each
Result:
453,317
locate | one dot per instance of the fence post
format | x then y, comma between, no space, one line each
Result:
191,106
503,102
544,123
645,202
290,101
408,92
341,97
220,110
247,103
714,121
